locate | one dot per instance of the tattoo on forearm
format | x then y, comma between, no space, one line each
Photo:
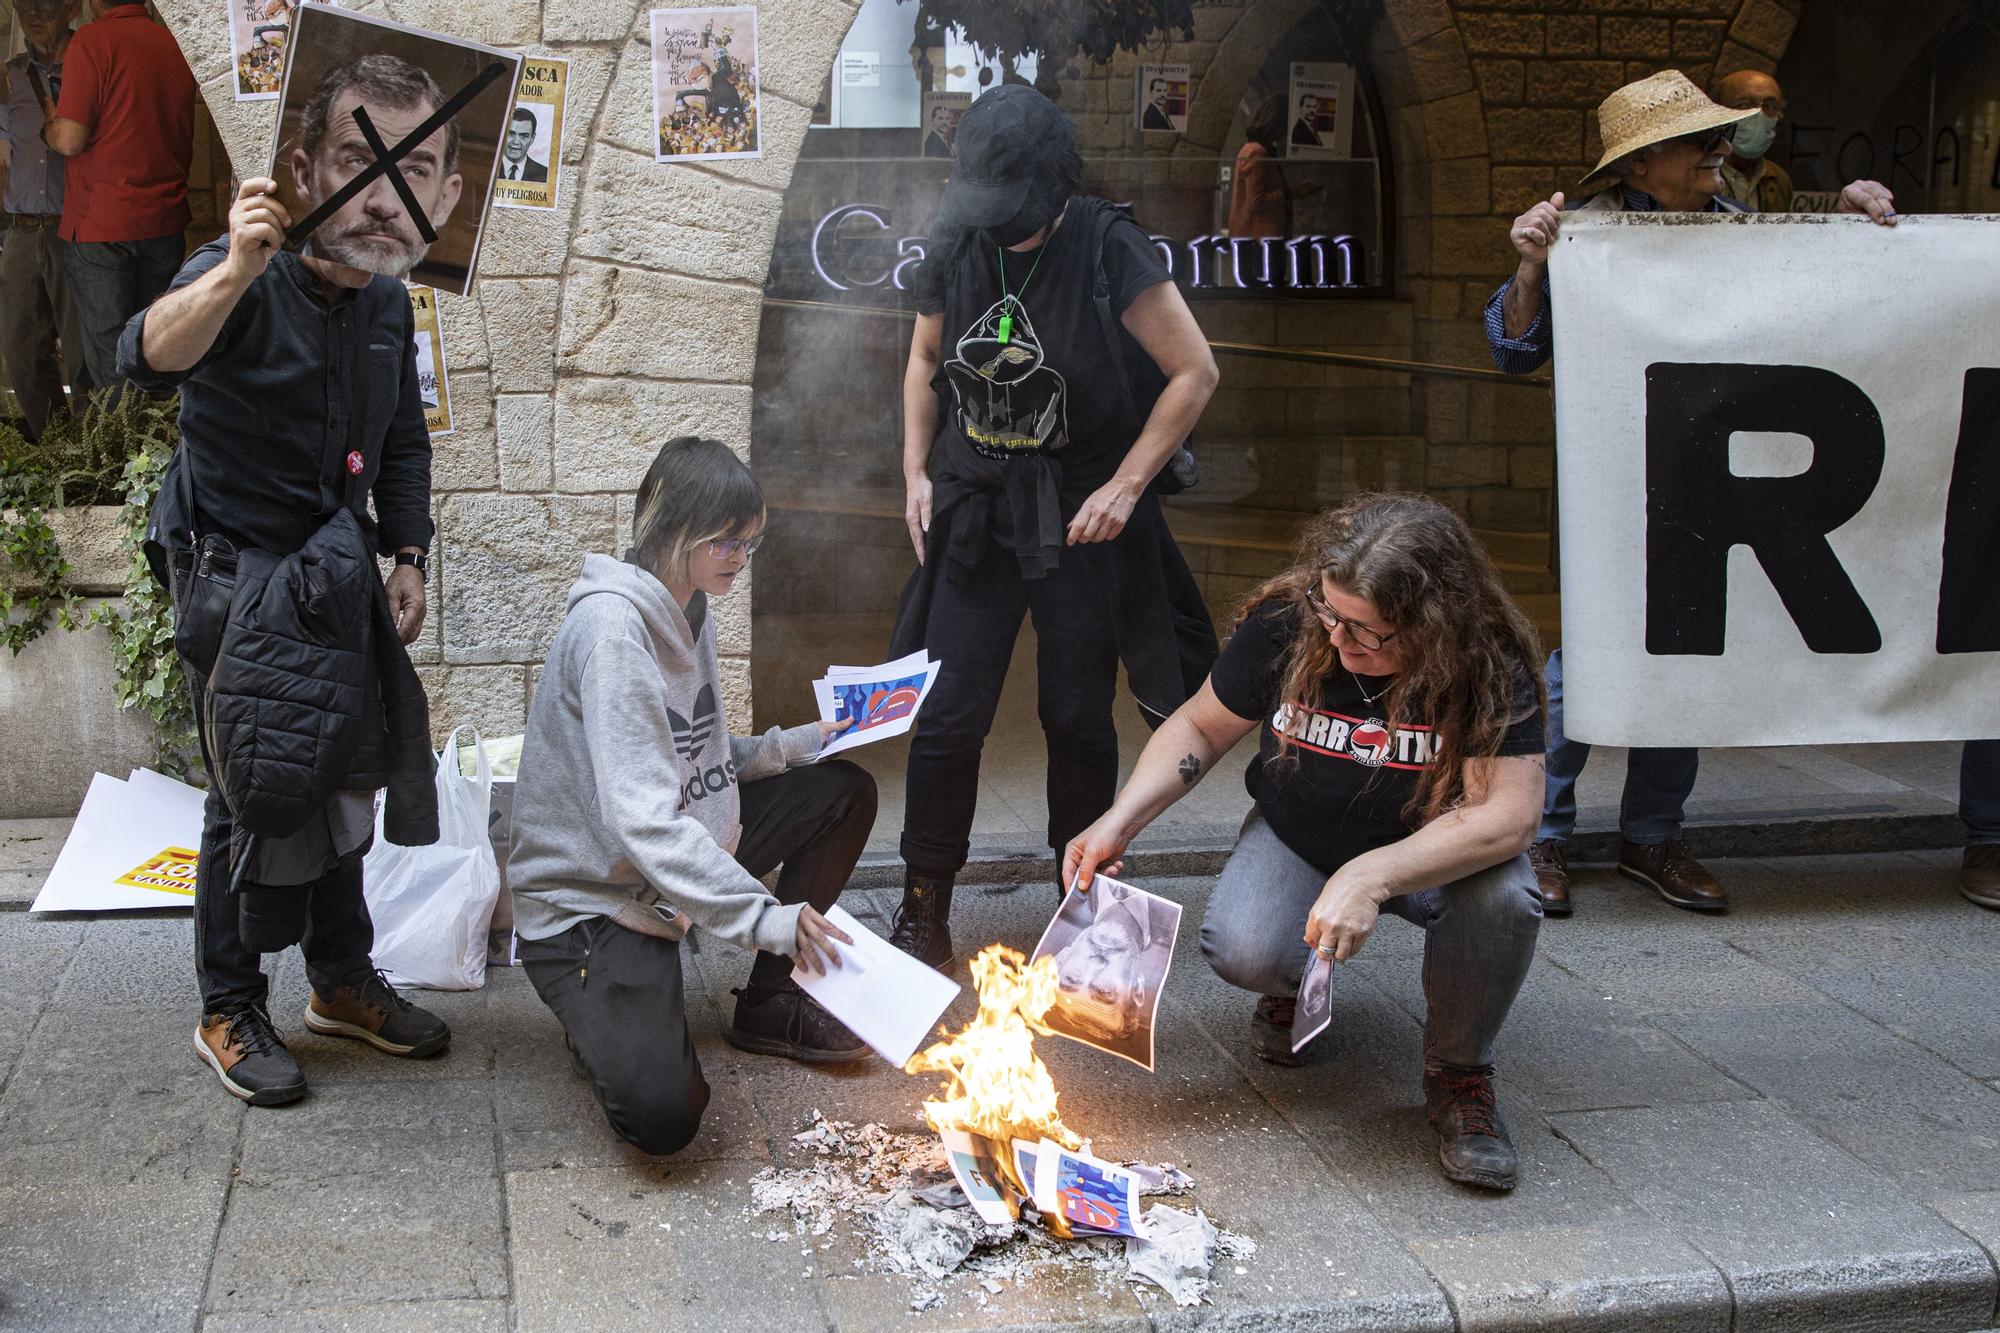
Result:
1190,771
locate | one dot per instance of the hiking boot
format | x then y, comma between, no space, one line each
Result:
1979,876
786,1021
244,1051
1473,1147
1271,1030
370,1010
923,921
1550,859
1673,874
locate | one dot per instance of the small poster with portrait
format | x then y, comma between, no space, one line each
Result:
530,166
1113,945
1320,120
1160,99
705,84
433,385
941,116
363,187
259,31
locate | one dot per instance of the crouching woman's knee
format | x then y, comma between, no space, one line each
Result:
659,1121
1500,898
1242,956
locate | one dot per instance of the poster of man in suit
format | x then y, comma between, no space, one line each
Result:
1322,111
531,151
1162,98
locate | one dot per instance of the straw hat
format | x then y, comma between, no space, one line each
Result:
1657,108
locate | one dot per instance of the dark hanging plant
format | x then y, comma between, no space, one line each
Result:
1055,34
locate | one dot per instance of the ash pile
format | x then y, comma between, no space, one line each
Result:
897,1192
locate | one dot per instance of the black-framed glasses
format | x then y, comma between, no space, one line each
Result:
728,548
1707,141
1370,640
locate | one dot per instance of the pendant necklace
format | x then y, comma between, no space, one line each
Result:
1011,301
1368,698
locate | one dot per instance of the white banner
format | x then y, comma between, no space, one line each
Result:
1778,452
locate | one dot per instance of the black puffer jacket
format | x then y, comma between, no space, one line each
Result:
312,692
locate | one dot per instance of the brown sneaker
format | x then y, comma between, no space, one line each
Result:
1979,876
370,1010
244,1051
1673,874
1551,863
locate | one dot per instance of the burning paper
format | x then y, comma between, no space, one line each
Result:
1315,1007
1112,947
975,1164
879,701
1086,1192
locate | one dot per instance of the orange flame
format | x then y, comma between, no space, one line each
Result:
996,1085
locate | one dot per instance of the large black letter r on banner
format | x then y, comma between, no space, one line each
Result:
1697,509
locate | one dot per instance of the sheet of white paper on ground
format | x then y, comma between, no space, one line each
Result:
975,1165
134,845
1315,1005
889,999
881,701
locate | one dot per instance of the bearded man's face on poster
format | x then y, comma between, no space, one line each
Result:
373,231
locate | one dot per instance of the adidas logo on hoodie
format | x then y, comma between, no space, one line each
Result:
690,738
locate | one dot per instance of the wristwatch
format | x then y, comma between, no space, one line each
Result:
418,559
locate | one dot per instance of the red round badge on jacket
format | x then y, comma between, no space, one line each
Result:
355,462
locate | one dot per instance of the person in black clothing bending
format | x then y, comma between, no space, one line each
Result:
298,386
1037,497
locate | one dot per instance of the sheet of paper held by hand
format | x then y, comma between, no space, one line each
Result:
889,999
879,701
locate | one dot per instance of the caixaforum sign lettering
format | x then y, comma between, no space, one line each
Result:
1778,446
850,253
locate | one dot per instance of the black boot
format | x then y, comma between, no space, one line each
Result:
1473,1146
923,922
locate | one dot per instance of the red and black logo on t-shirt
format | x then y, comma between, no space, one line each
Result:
1368,741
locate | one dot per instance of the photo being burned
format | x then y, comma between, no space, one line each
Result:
350,75
1112,946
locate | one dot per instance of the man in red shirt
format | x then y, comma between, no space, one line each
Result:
125,119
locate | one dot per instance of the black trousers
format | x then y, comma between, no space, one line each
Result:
619,994
339,933
971,628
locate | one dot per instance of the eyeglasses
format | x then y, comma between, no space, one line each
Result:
728,548
1369,639
1706,141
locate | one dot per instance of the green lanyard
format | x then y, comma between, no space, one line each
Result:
1011,301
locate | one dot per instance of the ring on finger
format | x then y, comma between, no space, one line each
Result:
1327,951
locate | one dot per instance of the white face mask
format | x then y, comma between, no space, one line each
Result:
1755,136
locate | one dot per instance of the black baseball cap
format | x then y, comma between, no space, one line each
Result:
1004,140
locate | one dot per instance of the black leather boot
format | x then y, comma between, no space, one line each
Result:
1473,1147
923,921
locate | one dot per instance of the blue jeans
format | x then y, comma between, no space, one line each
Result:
1979,791
1479,938
1657,780
111,281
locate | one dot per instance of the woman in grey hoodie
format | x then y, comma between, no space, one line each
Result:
637,814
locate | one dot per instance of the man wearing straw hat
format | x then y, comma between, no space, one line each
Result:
1665,144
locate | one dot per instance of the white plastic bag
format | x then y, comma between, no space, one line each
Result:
431,904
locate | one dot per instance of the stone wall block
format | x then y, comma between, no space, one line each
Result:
531,242
1531,467
245,127
734,676
1736,56
1413,20
1572,35
630,321
732,618
1468,245
607,430
525,426
1438,67
510,561
1502,34
492,698
1636,38
1465,465
590,20
1534,134
590,71
1578,83
1460,186
796,47
462,320
521,332
1455,127
496,22
1505,510
1699,39
1700,9
676,217
467,459
1517,189
1501,81
1443,409
1764,25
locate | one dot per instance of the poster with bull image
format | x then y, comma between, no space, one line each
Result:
363,188
1113,945
531,154
874,703
705,84
259,31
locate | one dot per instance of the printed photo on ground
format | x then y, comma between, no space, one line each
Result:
1113,947
705,83
349,75
259,31
530,169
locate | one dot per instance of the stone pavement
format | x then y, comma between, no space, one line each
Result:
1787,1117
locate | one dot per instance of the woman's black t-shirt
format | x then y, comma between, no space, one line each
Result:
1354,774
1053,387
